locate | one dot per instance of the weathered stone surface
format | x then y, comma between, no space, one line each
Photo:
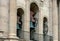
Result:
8,19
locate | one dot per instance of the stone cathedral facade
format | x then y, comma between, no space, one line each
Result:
39,20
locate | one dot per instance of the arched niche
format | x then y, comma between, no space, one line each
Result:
45,29
33,19
45,26
20,17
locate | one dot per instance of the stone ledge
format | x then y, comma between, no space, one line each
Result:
9,38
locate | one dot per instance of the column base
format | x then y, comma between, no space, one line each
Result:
11,39
8,39
1,35
27,36
55,40
40,37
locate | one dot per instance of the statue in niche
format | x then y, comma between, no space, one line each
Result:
32,24
19,25
45,29
32,19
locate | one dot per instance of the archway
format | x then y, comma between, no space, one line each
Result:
45,28
20,14
33,19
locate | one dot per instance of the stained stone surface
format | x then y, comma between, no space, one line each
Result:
8,18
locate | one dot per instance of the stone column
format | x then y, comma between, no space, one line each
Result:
1,31
12,20
50,33
40,24
50,17
4,17
26,25
59,19
55,21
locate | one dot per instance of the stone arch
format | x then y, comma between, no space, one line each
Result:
22,7
34,6
34,9
20,14
36,2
